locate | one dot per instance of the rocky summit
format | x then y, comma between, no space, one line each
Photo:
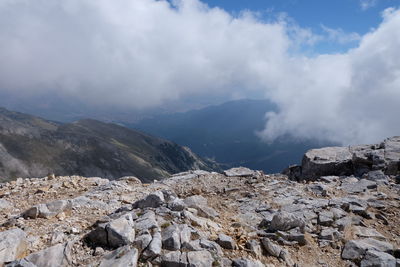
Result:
341,207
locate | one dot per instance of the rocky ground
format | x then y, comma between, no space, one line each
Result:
238,218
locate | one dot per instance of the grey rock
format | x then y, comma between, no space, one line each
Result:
177,205
195,201
356,249
374,258
294,235
326,218
171,238
121,232
377,175
153,200
365,232
271,248
154,248
226,241
392,155
239,172
284,221
4,204
199,259
57,255
20,263
13,245
319,189
200,204
246,263
327,161
330,234
185,233
207,212
146,222
173,259
47,210
114,234
210,245
141,242
254,247
121,257
347,221
360,186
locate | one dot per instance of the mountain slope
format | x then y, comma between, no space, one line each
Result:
31,146
227,133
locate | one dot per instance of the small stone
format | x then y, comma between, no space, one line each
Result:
171,238
239,172
153,200
121,257
271,248
226,241
284,221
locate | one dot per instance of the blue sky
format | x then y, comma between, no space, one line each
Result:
351,16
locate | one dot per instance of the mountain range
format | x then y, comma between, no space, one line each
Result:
34,147
227,134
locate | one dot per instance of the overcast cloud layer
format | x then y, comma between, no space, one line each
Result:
142,53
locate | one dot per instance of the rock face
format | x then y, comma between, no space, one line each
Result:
201,218
353,160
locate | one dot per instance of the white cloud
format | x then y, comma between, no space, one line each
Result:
143,53
340,36
349,98
366,4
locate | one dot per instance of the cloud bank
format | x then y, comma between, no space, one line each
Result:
144,53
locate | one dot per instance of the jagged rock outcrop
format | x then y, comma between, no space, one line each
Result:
201,218
361,160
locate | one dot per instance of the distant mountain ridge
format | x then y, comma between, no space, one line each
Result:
33,147
227,133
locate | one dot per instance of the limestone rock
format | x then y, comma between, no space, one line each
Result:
171,238
117,233
199,258
356,249
58,255
284,221
374,258
120,232
48,210
153,200
121,257
246,263
226,241
239,172
327,161
13,245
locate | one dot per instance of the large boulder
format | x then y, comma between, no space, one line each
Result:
356,249
48,210
13,245
113,234
58,255
392,155
327,161
356,160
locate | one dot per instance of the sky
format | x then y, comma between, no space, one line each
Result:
331,67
